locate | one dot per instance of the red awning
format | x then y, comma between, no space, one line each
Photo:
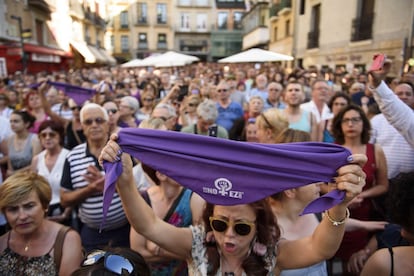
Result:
45,50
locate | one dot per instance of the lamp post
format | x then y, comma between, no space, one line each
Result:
19,21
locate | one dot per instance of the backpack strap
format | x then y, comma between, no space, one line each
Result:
57,249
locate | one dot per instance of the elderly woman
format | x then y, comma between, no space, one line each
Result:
128,107
34,245
239,239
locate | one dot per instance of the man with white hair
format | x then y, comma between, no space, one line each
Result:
168,114
205,125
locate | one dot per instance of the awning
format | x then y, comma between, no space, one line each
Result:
100,58
84,50
45,50
110,59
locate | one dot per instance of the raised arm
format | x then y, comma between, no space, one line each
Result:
140,215
325,240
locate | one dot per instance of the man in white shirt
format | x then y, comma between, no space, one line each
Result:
318,104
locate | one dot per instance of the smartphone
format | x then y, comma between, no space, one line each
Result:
212,130
378,62
183,92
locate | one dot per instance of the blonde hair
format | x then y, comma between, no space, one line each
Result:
153,123
272,119
19,185
291,135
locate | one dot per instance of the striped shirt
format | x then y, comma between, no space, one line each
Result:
90,210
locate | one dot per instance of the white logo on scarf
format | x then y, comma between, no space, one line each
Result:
223,187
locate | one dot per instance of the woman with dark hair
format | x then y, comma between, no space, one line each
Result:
113,261
397,260
239,239
338,101
49,164
22,145
351,129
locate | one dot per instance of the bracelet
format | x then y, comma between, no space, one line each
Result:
335,222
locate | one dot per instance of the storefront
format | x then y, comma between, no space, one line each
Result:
36,58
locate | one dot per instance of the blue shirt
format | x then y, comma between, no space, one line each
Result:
228,115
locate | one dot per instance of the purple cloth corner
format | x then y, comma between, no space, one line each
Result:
227,172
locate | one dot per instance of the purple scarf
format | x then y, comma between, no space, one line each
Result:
77,93
227,172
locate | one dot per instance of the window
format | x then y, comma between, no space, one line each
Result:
313,35
275,34
123,17
87,35
201,2
112,41
302,7
287,28
201,22
184,2
237,19
124,44
142,41
162,41
222,20
142,13
185,21
161,13
39,32
362,24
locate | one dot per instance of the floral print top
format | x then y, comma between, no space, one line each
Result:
199,264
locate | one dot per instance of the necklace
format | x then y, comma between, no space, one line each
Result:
26,248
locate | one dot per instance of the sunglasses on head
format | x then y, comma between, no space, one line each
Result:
46,134
112,262
98,121
242,228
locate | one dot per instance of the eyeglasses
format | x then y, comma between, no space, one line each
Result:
353,120
192,104
242,228
112,111
98,121
221,90
112,262
73,108
44,135
266,121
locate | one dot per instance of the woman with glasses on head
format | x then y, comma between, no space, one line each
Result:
34,245
74,132
351,129
23,144
49,164
239,239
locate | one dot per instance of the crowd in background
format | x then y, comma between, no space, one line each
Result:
45,131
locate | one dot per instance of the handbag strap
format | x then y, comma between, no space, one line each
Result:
57,249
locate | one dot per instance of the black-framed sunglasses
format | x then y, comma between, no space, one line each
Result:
112,111
242,228
112,262
89,122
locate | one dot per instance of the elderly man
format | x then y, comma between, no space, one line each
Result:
83,182
167,113
228,110
274,98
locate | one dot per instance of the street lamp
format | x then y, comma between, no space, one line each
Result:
19,20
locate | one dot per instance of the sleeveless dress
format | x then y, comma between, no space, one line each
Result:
356,240
23,158
303,123
12,263
53,177
181,216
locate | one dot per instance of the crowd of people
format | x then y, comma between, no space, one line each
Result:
53,141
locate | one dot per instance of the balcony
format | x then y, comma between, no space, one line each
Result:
40,4
162,46
362,27
313,39
142,21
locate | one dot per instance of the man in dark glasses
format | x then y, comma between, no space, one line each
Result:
83,181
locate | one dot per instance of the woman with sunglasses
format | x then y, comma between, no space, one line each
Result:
148,104
49,164
113,114
240,239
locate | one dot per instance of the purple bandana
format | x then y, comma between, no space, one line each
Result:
77,93
227,172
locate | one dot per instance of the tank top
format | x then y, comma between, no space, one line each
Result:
12,263
23,158
304,122
55,175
